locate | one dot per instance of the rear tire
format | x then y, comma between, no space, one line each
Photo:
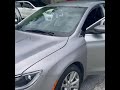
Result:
67,83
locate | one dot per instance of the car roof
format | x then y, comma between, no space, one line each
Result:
78,3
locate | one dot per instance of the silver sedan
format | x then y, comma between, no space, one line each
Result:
59,45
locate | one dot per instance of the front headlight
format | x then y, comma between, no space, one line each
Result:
26,80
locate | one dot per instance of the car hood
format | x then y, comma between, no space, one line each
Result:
27,45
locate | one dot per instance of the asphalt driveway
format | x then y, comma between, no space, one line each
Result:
94,82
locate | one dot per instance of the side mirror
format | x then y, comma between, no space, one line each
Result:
96,30
100,28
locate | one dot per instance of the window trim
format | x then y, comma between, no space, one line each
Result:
103,9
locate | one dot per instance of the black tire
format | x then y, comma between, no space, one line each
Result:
66,72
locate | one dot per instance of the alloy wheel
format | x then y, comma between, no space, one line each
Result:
71,81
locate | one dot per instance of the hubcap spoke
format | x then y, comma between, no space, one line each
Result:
75,82
72,76
66,80
64,85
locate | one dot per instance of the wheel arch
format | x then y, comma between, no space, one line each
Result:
80,66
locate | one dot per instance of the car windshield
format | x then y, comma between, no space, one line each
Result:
60,21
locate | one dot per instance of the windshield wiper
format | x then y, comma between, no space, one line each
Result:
41,32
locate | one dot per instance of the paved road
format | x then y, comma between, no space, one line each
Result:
100,86
94,82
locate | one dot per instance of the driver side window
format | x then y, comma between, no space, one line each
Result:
95,15
97,28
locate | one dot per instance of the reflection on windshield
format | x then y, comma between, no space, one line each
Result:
60,20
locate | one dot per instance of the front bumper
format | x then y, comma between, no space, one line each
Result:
43,83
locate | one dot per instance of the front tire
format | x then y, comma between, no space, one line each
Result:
70,80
